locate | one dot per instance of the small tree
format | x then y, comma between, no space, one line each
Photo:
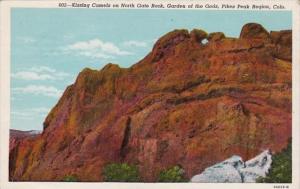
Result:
174,174
121,172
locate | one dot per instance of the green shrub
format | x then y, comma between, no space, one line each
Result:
121,172
281,168
70,178
174,174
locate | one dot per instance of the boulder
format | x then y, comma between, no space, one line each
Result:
234,170
198,35
226,171
257,167
216,36
167,42
254,31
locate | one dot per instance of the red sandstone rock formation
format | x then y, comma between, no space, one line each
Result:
186,103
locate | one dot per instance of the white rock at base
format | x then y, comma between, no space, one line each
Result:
234,170
257,167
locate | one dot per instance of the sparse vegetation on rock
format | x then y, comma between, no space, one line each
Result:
70,178
174,174
121,172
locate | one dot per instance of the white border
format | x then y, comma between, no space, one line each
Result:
5,6
296,94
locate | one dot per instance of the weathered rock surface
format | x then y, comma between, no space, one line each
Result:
16,135
234,170
198,35
186,103
254,31
216,36
282,41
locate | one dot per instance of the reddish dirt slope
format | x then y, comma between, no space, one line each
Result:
186,103
16,135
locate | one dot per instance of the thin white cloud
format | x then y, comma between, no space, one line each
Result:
96,48
43,69
134,43
26,40
49,91
21,114
68,36
26,75
30,113
40,73
40,110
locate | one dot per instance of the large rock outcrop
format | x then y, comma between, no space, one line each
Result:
186,103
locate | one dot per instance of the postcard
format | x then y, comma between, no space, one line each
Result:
150,94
